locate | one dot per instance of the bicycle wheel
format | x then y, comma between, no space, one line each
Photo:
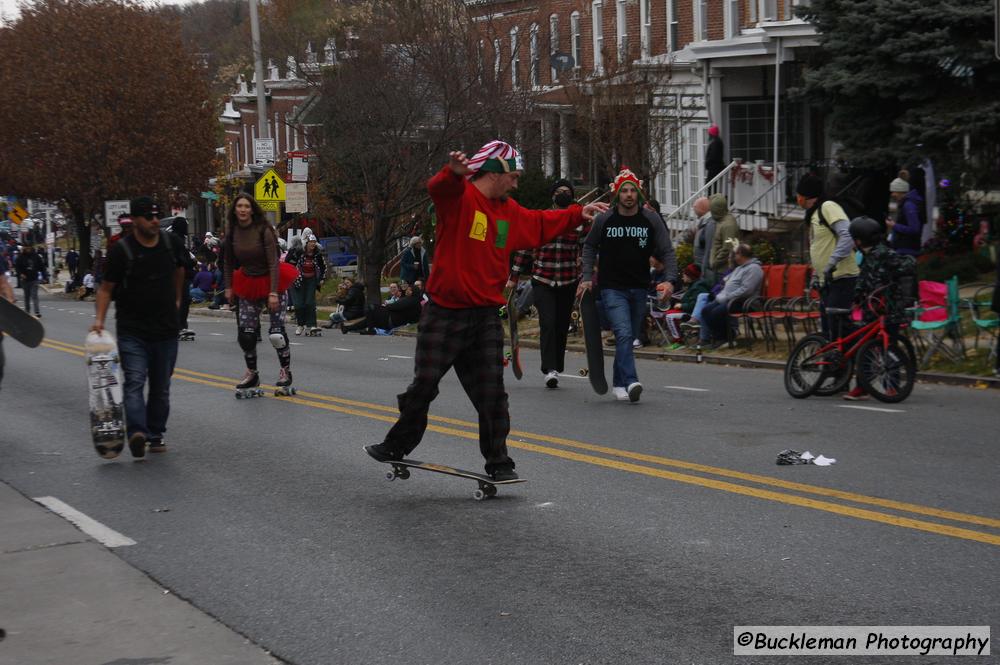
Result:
803,374
835,382
887,374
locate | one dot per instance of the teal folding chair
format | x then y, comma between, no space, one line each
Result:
986,321
943,335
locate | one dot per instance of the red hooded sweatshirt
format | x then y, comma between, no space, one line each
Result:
475,237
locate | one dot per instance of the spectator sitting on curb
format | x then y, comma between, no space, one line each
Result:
350,295
403,311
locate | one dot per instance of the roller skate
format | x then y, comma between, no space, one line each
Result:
250,386
186,335
284,383
314,332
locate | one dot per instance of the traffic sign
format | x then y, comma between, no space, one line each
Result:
298,199
112,211
269,188
298,165
263,151
17,214
270,206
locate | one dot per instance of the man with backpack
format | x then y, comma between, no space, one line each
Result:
831,250
145,277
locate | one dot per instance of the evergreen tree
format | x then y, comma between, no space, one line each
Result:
905,79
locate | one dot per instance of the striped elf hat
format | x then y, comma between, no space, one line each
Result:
496,157
626,176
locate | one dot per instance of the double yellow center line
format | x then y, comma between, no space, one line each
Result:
753,485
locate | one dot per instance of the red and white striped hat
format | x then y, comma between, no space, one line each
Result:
496,157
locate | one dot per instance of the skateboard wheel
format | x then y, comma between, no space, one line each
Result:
404,474
491,491
479,495
584,372
389,475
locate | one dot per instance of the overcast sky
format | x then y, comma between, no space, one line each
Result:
8,8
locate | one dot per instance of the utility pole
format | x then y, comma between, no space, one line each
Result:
258,68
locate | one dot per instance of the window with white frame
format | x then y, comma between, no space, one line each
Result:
673,27
768,10
646,21
695,150
534,77
496,60
553,43
515,60
700,8
576,41
597,14
753,11
732,18
621,29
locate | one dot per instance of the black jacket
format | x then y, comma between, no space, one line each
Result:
29,265
353,302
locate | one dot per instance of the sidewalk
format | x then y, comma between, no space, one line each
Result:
68,599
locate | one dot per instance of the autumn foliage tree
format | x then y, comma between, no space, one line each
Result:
109,105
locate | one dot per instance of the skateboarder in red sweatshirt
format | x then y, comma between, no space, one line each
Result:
478,228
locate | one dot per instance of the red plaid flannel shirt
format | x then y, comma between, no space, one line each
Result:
556,263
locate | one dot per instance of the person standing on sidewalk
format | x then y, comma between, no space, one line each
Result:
28,266
261,281
145,277
622,240
554,274
478,227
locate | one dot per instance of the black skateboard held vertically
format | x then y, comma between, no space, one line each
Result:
20,325
513,356
592,340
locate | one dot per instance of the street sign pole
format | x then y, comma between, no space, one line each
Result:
996,29
50,246
258,68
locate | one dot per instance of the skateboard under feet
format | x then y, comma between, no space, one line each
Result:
186,337
487,486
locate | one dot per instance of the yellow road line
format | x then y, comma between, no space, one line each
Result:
365,409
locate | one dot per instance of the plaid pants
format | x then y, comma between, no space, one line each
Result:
471,341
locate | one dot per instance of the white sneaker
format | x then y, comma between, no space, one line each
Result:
636,344
620,393
634,390
552,379
298,330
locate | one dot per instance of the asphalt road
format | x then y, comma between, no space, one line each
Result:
645,532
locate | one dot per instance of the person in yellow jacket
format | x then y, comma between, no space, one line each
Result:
831,250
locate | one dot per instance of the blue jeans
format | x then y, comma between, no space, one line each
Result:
626,310
142,360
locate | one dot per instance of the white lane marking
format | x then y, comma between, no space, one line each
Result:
694,390
217,334
337,348
572,376
403,357
296,343
870,408
102,534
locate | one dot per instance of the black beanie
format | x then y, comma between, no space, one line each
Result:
562,182
810,186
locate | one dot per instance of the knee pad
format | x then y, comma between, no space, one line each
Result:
247,338
278,337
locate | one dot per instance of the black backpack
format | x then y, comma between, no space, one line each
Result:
165,238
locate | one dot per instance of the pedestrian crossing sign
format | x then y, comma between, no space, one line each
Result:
270,188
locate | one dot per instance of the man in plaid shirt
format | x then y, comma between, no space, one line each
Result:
555,272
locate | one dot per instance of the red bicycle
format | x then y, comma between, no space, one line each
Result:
886,364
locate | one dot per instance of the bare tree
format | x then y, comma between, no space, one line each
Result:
416,85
